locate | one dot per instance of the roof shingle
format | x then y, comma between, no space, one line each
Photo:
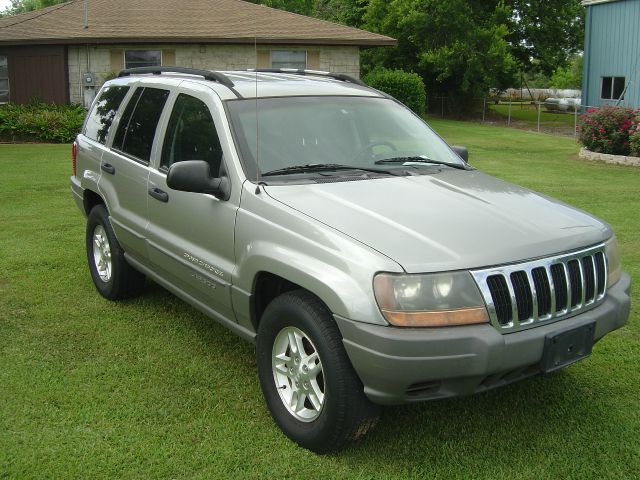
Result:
177,21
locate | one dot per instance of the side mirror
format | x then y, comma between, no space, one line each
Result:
462,152
195,176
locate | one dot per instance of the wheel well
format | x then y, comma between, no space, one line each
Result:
91,199
266,287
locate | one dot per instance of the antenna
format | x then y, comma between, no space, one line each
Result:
255,49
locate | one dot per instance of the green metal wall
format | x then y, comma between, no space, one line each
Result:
612,48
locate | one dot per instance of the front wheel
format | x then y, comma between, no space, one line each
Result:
310,387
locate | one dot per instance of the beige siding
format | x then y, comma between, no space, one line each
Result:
105,61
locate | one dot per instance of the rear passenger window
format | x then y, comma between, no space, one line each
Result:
139,121
191,135
101,116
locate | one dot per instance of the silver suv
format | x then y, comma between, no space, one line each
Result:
324,221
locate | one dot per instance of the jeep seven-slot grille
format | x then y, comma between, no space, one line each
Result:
523,295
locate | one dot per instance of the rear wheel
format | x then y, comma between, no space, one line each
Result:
310,387
113,277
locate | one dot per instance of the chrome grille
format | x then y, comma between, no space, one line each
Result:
526,294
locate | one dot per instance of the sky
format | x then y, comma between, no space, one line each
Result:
4,4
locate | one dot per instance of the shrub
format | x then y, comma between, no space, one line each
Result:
404,86
606,130
40,122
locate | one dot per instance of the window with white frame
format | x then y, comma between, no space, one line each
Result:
4,79
612,88
142,58
289,59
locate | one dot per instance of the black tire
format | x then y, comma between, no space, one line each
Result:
124,281
346,414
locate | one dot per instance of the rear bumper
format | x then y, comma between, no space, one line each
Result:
78,193
399,365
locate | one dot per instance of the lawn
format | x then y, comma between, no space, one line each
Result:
150,388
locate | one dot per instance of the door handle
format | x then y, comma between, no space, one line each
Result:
107,167
158,194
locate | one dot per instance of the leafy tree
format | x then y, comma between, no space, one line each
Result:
347,12
22,6
547,33
459,47
568,77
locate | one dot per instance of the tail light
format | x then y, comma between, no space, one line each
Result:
74,155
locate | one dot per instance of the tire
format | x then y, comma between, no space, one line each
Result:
320,423
113,277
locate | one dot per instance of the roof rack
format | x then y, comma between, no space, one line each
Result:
317,73
207,74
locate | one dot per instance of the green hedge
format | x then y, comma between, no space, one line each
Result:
404,86
40,122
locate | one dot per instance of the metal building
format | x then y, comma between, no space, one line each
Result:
612,53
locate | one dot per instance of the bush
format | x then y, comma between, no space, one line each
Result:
40,122
607,130
404,86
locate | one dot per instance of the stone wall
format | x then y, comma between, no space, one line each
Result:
606,158
105,61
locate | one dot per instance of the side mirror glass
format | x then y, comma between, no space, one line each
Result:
195,176
462,152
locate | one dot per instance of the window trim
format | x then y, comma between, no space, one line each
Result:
306,56
125,50
8,82
613,79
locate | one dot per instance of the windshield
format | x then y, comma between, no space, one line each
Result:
361,132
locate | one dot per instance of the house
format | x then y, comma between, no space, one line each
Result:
611,53
64,53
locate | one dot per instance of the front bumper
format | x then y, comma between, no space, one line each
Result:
402,365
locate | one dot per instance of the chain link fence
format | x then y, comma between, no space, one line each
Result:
555,116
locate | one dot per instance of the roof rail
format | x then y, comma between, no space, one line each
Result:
317,73
207,74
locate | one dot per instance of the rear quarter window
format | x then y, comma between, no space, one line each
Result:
104,110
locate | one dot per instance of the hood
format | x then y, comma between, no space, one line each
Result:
451,220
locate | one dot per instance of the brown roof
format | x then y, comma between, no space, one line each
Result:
177,21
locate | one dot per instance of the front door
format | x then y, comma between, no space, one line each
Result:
190,236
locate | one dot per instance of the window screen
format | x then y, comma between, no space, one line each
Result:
289,59
139,121
4,79
612,88
103,112
142,58
191,135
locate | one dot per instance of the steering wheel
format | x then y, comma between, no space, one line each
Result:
368,150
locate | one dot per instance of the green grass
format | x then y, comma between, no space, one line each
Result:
528,114
149,388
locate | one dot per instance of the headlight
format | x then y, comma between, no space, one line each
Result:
614,265
429,300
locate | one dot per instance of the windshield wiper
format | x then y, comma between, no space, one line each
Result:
418,159
318,167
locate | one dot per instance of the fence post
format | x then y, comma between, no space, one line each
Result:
484,107
539,110
442,98
575,120
509,120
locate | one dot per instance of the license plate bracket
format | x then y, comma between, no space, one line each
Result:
566,347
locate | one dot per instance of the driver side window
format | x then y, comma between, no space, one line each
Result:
191,135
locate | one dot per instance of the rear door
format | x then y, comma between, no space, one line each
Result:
191,235
125,168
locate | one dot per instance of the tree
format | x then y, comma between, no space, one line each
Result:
459,47
568,77
22,6
545,33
